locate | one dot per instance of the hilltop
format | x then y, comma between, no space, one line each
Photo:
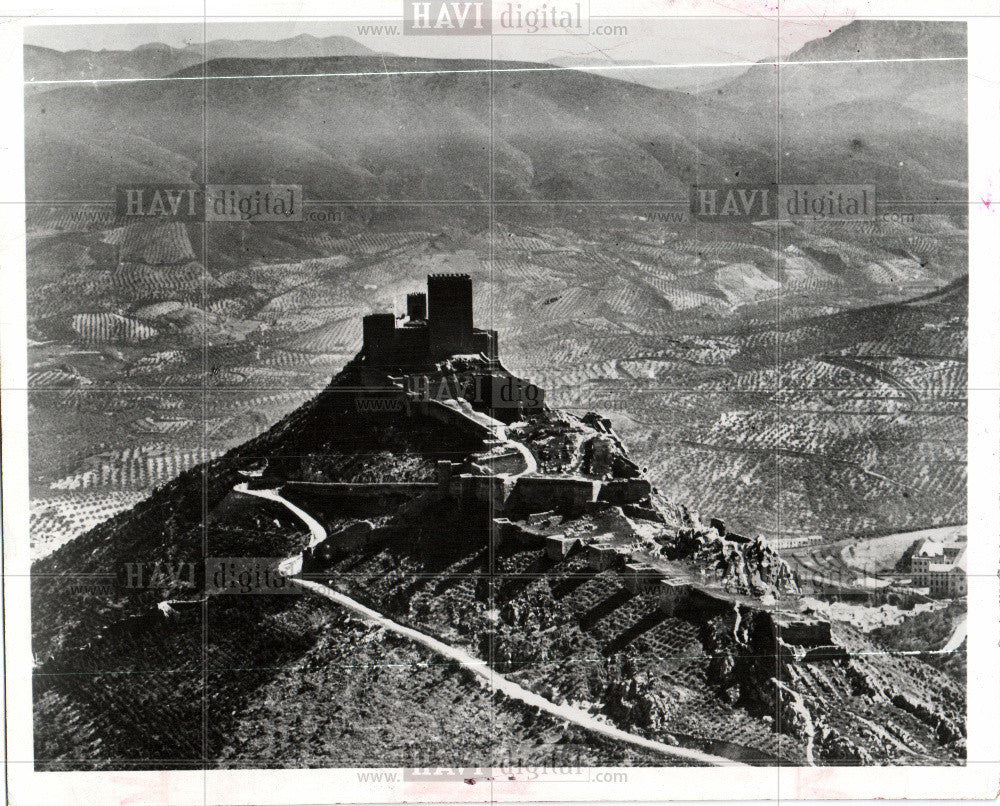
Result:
708,345
536,544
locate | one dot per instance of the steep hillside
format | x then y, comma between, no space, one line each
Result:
194,665
204,684
900,63
903,104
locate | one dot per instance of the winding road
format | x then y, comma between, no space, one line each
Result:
500,683
317,533
474,665
495,429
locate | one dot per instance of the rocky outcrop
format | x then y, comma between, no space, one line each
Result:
794,717
832,746
742,565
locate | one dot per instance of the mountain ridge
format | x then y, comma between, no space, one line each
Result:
406,131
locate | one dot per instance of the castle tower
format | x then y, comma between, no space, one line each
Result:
449,314
379,333
416,306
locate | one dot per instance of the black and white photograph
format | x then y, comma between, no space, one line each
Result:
501,401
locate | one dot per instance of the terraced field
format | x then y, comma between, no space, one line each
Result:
57,519
567,635
142,468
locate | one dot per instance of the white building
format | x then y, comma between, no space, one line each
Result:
940,565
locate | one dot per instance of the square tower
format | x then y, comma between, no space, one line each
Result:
449,314
379,334
416,306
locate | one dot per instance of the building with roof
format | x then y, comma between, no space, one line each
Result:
940,566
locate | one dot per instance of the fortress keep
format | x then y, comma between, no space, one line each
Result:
438,325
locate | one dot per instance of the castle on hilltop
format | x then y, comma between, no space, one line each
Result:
438,325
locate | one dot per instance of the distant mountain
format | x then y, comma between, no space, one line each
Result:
930,87
160,46
147,61
695,79
888,39
297,46
555,133
156,59
408,128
